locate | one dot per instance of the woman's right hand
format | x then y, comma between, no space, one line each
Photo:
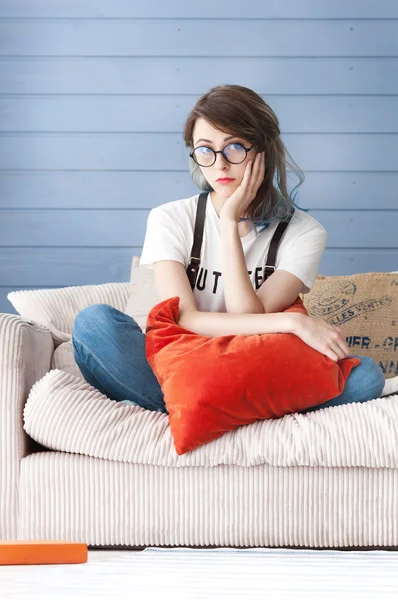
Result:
327,339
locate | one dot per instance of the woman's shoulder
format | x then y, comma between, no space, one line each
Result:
303,222
304,229
178,209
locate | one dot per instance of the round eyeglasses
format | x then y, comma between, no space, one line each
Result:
233,153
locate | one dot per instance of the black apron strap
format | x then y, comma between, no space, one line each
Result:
193,268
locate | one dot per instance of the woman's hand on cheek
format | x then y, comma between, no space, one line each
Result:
238,202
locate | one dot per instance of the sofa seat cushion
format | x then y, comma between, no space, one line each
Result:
65,413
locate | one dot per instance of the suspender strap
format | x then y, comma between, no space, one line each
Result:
273,248
193,268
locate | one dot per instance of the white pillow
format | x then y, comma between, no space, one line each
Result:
143,295
57,308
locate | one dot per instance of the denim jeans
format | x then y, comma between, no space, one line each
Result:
109,348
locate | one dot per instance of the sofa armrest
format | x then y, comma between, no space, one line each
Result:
25,357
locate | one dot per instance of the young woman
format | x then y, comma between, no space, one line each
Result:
237,155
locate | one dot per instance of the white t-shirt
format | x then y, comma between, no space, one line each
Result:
169,236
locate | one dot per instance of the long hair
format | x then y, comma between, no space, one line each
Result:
240,111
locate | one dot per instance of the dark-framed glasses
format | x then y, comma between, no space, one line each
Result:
233,153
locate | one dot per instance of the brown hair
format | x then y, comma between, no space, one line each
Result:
240,111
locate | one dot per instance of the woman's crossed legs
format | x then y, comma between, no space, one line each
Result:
109,348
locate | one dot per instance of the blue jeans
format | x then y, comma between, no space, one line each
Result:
109,348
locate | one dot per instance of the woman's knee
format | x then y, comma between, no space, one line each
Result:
90,318
371,375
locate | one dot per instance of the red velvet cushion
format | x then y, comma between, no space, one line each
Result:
212,385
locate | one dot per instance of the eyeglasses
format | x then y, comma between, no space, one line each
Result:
233,153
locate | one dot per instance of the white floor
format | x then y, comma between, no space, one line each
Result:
187,574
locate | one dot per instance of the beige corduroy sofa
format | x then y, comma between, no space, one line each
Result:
75,465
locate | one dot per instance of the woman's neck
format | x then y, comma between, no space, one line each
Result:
218,202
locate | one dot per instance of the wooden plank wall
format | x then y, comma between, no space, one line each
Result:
94,94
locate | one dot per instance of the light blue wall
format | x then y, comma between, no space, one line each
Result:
93,96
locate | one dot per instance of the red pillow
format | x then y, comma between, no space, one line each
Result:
212,385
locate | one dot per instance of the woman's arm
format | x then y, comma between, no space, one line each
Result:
297,267
279,291
275,294
317,334
212,324
171,280
240,297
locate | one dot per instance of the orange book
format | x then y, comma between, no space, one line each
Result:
42,552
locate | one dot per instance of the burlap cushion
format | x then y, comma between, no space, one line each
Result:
365,307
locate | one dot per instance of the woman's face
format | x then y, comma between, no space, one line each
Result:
204,134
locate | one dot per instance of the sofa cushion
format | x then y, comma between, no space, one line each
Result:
65,413
57,308
214,384
142,293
